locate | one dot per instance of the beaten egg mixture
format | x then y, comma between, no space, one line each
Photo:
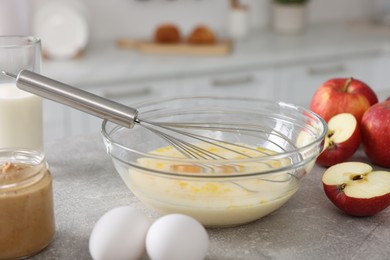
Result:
213,201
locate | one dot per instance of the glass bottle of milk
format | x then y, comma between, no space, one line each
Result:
21,122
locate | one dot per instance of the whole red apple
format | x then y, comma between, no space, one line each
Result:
375,128
343,95
341,141
356,189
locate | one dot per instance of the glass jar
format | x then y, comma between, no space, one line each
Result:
26,203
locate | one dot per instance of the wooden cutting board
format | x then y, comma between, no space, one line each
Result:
218,49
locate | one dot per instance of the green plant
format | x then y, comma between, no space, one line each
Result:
286,2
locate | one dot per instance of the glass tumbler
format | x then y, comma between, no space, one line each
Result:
21,119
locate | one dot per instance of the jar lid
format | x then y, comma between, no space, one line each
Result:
20,167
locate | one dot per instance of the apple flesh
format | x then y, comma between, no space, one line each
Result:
356,189
342,95
375,128
341,141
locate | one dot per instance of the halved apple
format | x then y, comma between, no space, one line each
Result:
356,189
341,141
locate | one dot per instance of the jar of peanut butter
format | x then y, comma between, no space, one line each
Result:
26,203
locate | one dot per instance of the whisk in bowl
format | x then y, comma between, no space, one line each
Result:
183,136
217,192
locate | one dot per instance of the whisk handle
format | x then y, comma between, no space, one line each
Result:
76,98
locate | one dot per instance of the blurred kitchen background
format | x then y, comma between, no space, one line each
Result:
272,52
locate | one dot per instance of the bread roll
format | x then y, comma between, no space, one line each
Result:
201,35
167,33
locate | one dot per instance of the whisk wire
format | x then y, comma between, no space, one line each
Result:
198,151
194,151
187,149
249,129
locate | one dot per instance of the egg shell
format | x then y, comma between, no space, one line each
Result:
177,237
119,234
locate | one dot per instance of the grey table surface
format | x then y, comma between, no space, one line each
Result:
308,226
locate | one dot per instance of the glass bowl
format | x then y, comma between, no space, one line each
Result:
218,192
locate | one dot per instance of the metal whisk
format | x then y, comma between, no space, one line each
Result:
127,116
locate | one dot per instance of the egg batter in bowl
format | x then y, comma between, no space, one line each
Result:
197,190
246,184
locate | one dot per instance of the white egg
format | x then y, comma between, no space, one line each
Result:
119,234
177,237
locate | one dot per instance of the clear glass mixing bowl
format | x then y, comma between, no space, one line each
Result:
219,192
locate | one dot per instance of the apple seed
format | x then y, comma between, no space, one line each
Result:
357,177
342,187
331,144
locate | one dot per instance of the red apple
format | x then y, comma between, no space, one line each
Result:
343,95
375,128
341,141
356,189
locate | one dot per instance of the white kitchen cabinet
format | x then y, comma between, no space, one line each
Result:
254,82
54,120
294,83
62,121
299,82
382,87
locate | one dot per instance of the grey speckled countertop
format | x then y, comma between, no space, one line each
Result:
308,226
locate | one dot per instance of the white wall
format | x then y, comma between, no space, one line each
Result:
137,18
340,10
